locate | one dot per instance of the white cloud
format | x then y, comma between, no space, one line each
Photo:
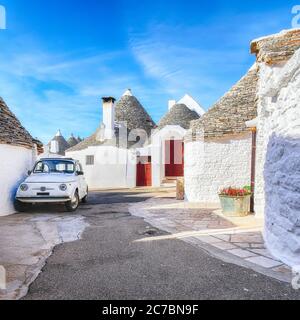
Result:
204,60
51,91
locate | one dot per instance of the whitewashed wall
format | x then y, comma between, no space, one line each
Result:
15,163
113,168
215,164
278,155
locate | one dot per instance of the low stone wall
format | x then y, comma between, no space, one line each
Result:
215,164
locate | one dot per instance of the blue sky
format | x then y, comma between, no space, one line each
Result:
59,57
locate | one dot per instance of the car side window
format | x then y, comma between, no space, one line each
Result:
41,168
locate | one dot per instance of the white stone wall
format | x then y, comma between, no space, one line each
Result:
15,163
216,164
113,168
278,157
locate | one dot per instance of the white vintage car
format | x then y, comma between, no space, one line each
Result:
57,180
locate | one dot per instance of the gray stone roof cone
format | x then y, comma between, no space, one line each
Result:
128,109
179,115
11,130
72,141
62,144
230,113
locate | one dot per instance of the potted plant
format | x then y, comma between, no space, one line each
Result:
235,202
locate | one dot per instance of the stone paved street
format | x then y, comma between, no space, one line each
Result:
119,256
237,239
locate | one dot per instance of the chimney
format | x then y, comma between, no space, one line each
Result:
171,104
109,117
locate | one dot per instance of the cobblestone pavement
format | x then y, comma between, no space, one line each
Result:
235,239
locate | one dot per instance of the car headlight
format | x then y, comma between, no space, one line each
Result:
63,187
24,187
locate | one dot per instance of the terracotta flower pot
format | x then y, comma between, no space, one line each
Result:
238,206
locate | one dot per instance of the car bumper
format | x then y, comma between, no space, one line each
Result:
43,199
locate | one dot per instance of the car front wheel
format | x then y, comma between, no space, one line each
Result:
21,206
72,205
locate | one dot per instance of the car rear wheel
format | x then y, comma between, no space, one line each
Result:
72,205
21,206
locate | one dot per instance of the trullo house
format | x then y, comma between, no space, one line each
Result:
252,135
167,147
218,148
18,152
109,156
277,182
56,147
72,141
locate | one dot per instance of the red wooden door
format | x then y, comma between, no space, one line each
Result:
174,161
144,174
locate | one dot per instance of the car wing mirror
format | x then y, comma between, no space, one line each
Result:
80,173
29,172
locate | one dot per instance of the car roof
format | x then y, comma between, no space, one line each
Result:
66,159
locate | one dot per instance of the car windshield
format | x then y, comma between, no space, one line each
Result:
54,166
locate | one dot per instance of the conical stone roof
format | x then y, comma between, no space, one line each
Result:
62,143
11,130
277,48
72,141
128,109
179,115
229,114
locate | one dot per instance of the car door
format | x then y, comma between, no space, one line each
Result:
82,185
79,181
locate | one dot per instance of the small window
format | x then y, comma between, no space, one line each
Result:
90,160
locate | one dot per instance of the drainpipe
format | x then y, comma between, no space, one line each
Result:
252,125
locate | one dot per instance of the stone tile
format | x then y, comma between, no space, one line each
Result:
244,245
242,253
225,224
208,239
250,238
224,245
263,252
214,225
258,245
201,225
283,269
225,237
264,262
